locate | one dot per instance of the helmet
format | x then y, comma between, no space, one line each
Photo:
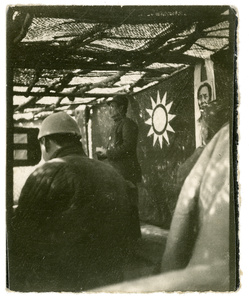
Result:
59,122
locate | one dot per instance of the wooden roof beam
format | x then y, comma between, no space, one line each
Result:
48,53
77,92
89,66
64,95
57,85
122,14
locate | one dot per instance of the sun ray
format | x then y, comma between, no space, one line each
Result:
169,128
165,135
158,100
149,121
160,138
153,104
168,106
149,111
170,117
151,131
155,137
164,99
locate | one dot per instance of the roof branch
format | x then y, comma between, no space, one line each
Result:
122,14
56,85
34,81
203,47
164,43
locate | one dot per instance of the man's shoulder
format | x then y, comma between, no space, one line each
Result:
47,168
105,170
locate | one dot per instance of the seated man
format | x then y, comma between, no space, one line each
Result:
71,224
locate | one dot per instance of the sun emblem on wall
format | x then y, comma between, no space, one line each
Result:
159,119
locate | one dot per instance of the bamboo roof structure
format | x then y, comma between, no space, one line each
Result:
61,57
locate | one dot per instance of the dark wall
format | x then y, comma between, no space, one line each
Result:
157,191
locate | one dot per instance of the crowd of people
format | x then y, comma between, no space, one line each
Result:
76,216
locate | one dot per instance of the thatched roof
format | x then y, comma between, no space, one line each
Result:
73,55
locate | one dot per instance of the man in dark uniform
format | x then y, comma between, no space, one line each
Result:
71,224
121,151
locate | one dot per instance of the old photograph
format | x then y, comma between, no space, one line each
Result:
121,164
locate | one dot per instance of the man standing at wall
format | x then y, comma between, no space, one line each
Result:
71,224
121,151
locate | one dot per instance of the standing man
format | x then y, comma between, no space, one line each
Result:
70,226
121,150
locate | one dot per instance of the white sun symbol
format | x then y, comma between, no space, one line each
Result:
159,119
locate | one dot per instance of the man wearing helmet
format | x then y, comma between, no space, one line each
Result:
121,151
58,131
70,226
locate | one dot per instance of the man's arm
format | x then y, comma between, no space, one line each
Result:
129,135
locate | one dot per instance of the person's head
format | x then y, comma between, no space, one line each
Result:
204,95
58,130
118,106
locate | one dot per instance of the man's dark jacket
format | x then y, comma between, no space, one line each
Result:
70,226
122,147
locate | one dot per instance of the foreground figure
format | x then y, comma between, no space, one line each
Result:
70,227
197,254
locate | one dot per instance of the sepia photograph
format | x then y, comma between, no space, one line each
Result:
121,162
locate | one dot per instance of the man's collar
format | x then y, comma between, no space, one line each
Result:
68,150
